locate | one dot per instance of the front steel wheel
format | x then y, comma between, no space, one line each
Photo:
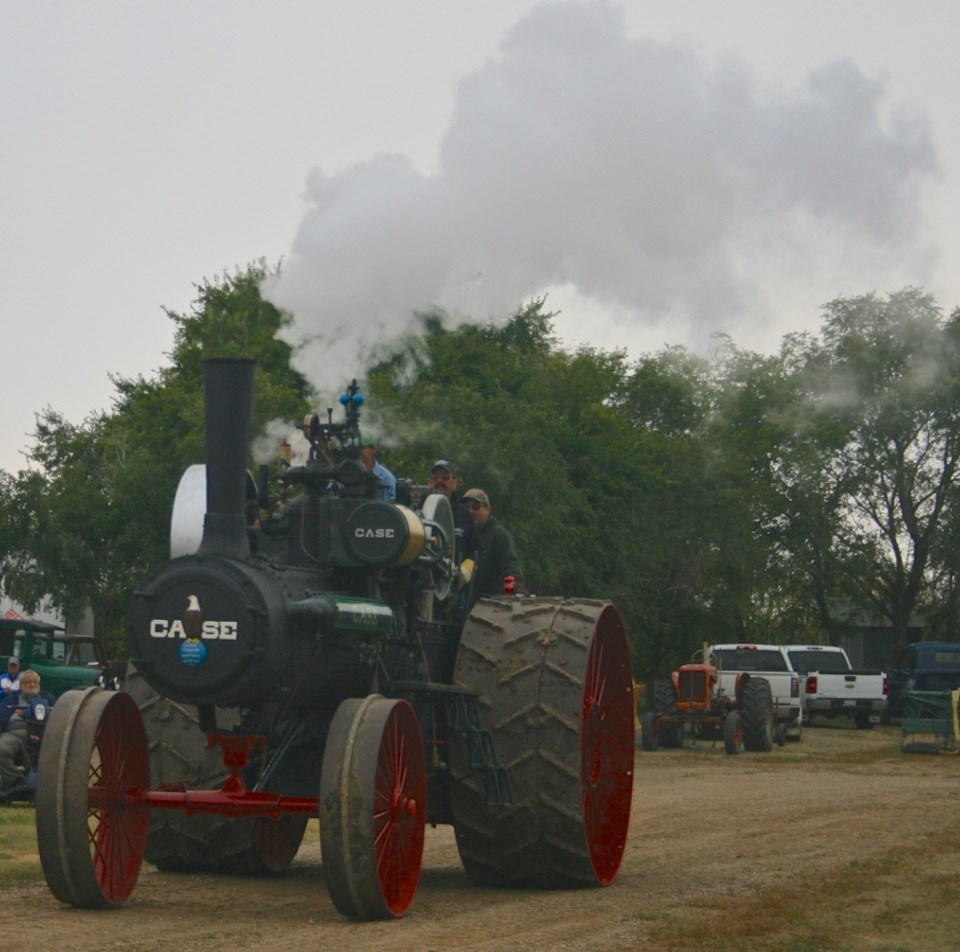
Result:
373,791
91,820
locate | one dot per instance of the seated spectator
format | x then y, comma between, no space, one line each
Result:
19,714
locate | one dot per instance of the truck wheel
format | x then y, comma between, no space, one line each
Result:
756,714
649,733
203,842
665,700
732,733
863,722
556,694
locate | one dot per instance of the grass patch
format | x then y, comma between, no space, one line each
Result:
19,859
889,903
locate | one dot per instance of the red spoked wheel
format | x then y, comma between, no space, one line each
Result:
373,791
91,820
276,842
606,747
556,695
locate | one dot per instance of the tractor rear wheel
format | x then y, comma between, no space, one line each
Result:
665,699
650,731
556,694
203,842
757,716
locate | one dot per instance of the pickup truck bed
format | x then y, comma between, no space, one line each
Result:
833,688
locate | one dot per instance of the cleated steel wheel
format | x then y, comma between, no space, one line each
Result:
373,791
556,694
275,843
91,824
181,843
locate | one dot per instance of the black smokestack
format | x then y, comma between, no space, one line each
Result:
228,400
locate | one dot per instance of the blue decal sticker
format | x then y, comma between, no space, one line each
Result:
193,653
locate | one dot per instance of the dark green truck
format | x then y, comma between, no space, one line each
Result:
63,661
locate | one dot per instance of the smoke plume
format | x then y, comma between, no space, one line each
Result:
652,188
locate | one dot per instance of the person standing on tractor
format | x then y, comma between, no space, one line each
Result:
388,482
19,711
495,553
442,479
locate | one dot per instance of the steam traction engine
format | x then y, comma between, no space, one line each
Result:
310,663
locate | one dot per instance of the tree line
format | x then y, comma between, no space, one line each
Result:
740,497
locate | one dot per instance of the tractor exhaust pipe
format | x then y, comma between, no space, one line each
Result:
228,403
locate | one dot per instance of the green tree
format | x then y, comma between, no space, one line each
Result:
92,515
874,450
599,468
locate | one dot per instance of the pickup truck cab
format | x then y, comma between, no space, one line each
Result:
924,666
63,661
772,664
832,687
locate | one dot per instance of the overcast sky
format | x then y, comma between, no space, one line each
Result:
663,170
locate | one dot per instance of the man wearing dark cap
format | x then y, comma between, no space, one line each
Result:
442,479
495,554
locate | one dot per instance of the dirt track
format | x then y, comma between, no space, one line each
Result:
705,826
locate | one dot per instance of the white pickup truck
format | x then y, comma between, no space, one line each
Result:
833,688
771,663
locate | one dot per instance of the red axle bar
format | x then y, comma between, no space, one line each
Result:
232,799
228,804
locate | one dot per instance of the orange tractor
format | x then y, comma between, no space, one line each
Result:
744,721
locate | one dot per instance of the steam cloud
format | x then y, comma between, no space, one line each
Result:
650,185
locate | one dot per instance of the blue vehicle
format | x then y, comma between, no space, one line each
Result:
924,666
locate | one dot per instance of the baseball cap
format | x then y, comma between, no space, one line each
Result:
443,464
479,495
13,659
